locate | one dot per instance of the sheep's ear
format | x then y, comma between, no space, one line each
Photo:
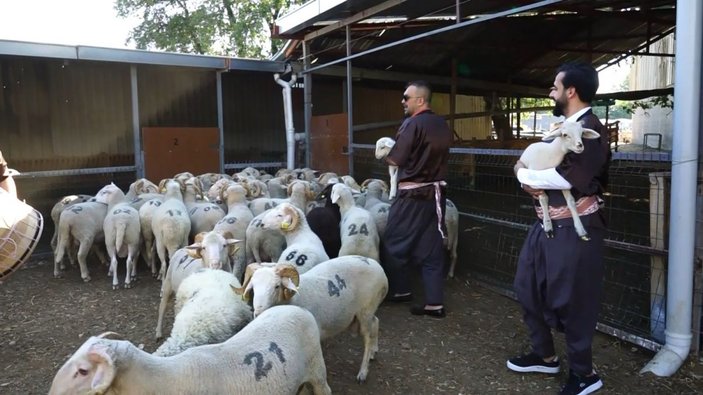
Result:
199,237
193,250
289,289
554,133
105,371
335,195
589,134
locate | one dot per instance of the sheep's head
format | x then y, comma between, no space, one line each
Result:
570,135
351,183
383,147
271,285
284,217
90,370
143,185
109,193
214,249
234,193
341,191
300,187
324,178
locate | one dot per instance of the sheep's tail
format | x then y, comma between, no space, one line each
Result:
119,235
62,240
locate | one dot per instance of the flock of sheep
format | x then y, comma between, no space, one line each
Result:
261,267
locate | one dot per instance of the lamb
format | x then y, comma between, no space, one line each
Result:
65,202
303,248
81,223
375,204
146,216
211,250
541,155
383,148
358,229
341,293
122,235
236,222
275,354
170,224
263,245
207,312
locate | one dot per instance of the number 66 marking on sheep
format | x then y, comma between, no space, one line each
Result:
261,369
333,288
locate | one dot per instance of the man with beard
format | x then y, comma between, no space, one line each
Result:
415,231
559,280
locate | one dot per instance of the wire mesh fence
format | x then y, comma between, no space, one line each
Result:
496,214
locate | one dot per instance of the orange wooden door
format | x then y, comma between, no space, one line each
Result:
169,151
329,141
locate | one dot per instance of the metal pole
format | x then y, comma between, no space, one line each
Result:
136,132
220,120
307,102
350,107
684,174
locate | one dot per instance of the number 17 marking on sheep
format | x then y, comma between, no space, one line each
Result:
261,369
333,288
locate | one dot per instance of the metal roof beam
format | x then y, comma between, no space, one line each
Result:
365,14
485,18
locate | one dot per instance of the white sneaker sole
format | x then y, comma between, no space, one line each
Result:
592,388
535,369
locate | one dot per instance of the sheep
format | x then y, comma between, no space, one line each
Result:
451,219
211,250
146,215
299,193
236,222
207,312
358,229
303,248
122,234
275,354
375,204
340,293
170,224
324,221
203,215
541,155
383,148
65,202
263,245
81,223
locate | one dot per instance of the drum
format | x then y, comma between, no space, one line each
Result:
20,228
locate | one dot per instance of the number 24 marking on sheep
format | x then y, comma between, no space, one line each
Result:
333,288
261,369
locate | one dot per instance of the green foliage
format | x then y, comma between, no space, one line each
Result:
665,101
239,28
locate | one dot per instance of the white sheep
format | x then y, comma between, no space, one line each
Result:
207,312
263,245
236,222
170,224
357,228
81,223
203,215
211,250
122,235
304,248
64,202
341,293
383,148
275,354
541,155
146,216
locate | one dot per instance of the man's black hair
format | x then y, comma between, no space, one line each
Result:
581,76
421,84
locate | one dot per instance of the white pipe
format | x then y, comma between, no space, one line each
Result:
684,171
288,114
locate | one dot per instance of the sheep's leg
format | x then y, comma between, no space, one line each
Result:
113,271
82,256
165,295
58,260
131,265
393,172
546,220
100,254
374,337
161,251
571,204
452,256
366,330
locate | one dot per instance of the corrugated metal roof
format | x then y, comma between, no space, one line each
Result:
522,49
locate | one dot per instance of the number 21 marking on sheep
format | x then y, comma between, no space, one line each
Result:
261,369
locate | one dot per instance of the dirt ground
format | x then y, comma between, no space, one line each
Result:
44,320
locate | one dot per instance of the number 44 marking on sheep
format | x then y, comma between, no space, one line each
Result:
257,358
333,288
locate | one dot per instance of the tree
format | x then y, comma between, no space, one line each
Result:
239,28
